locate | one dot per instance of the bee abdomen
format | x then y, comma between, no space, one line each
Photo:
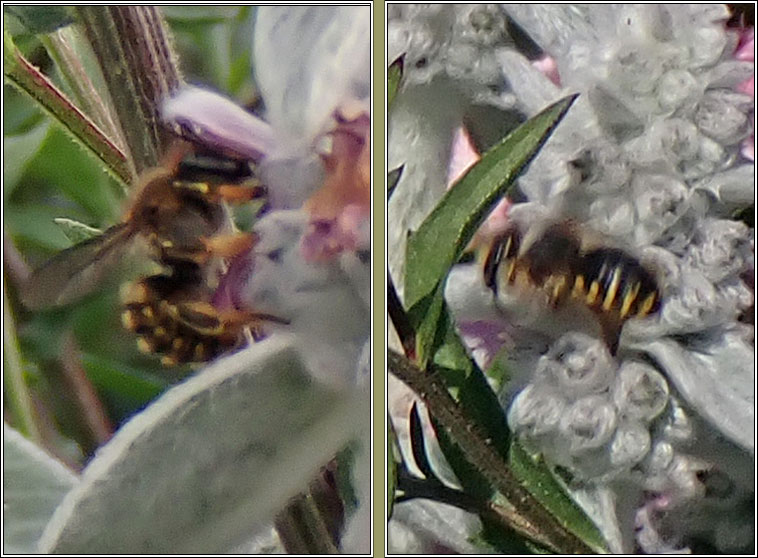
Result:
182,332
611,281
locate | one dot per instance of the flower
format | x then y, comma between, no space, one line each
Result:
310,265
313,155
651,159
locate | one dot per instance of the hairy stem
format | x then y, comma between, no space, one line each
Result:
533,517
28,79
133,49
59,46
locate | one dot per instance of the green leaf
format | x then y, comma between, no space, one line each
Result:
33,226
394,75
76,231
18,151
440,240
426,316
239,72
20,114
537,478
78,176
470,389
497,373
468,385
116,378
474,483
201,15
41,19
27,78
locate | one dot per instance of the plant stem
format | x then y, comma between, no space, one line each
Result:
533,517
26,78
88,98
19,399
303,529
506,517
132,46
84,394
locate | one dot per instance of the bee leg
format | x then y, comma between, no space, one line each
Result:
557,289
199,316
240,193
611,327
230,245
248,318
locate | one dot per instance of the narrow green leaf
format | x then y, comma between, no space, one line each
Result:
497,373
205,15
440,240
470,387
537,478
18,151
472,480
62,163
16,392
20,115
426,316
41,19
479,460
479,403
76,231
394,75
116,378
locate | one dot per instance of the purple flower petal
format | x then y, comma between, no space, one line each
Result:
217,122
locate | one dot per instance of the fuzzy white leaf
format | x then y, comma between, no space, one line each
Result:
212,459
308,61
33,485
717,381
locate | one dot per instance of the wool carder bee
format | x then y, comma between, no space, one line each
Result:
178,217
557,265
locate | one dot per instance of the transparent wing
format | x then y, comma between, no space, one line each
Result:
77,271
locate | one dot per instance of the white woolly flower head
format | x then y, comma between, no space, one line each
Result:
651,162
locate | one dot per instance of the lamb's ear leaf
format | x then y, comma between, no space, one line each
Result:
34,484
226,450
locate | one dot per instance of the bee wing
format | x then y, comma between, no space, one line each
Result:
77,271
